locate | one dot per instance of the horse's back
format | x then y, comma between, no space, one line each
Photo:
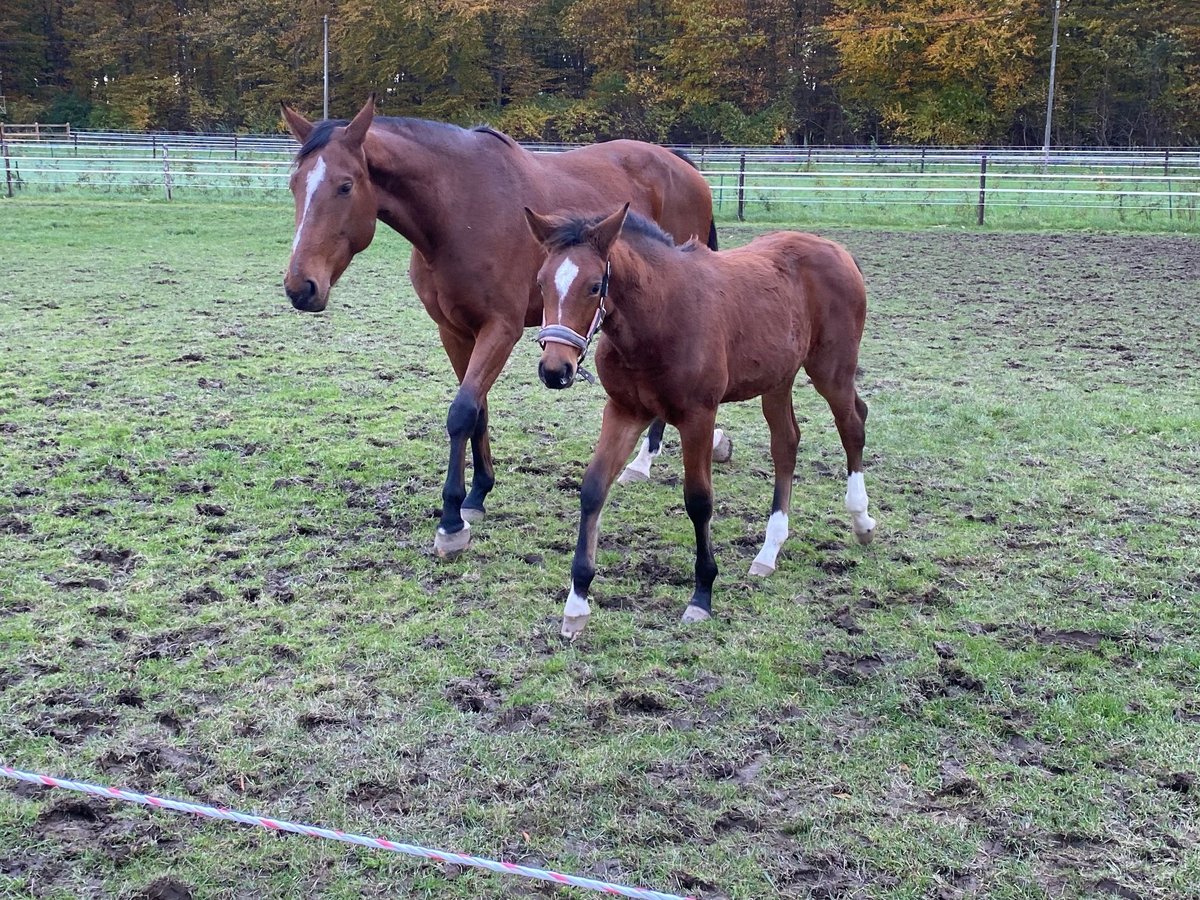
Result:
661,185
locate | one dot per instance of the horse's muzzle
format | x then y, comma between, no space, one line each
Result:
556,377
305,298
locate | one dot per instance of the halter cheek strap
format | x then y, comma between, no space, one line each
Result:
561,334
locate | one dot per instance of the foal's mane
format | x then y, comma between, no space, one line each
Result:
573,233
322,131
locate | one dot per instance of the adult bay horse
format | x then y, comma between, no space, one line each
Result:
456,196
684,330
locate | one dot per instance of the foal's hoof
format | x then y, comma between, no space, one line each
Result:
448,546
632,475
867,534
694,614
722,447
472,515
572,626
761,568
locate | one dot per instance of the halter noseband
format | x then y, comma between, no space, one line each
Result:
561,334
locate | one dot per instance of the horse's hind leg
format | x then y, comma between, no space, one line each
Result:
482,473
850,415
785,437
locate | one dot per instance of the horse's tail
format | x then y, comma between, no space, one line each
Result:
712,225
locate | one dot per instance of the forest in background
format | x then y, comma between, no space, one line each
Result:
964,72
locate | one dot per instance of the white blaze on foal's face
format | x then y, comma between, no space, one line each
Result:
564,277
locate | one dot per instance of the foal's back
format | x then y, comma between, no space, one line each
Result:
760,312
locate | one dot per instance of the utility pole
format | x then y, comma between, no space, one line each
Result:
325,108
1050,93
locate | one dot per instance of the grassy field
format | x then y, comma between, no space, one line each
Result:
216,583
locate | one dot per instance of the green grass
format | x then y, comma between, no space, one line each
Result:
996,699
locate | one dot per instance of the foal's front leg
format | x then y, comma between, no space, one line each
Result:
618,433
696,437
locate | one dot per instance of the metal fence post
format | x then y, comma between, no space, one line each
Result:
166,174
4,151
741,195
982,184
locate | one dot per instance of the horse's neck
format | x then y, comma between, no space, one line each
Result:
417,171
641,310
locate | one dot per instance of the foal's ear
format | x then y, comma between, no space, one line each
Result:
604,233
356,131
299,126
542,226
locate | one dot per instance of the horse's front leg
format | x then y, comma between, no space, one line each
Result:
696,437
467,421
618,434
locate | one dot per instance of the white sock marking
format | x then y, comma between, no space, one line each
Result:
315,177
576,606
718,436
563,279
777,532
644,458
856,503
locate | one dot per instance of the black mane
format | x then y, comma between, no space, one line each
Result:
322,132
572,233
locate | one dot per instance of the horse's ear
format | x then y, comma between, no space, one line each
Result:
299,126
542,226
356,131
604,233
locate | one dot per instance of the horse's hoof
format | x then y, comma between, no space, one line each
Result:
448,546
694,614
761,568
722,447
632,475
472,515
572,626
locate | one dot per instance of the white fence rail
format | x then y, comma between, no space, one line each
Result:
754,182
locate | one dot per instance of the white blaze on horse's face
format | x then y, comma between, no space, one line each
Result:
315,176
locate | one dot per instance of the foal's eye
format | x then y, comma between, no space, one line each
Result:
595,288
345,188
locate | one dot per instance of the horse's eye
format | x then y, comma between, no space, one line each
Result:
345,188
595,288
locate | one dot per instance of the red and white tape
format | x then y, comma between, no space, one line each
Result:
442,856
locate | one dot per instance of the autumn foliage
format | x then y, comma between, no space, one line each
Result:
743,71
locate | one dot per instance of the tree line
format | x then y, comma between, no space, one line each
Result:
965,72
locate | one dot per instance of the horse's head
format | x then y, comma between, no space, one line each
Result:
574,285
335,204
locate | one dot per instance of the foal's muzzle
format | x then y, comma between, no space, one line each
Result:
556,377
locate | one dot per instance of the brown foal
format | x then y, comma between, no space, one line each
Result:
684,330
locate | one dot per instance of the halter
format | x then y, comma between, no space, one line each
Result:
561,334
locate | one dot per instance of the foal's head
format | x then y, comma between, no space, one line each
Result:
574,285
335,204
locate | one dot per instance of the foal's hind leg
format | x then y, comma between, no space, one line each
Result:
850,415
639,469
785,437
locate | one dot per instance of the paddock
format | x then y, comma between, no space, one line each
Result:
217,585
